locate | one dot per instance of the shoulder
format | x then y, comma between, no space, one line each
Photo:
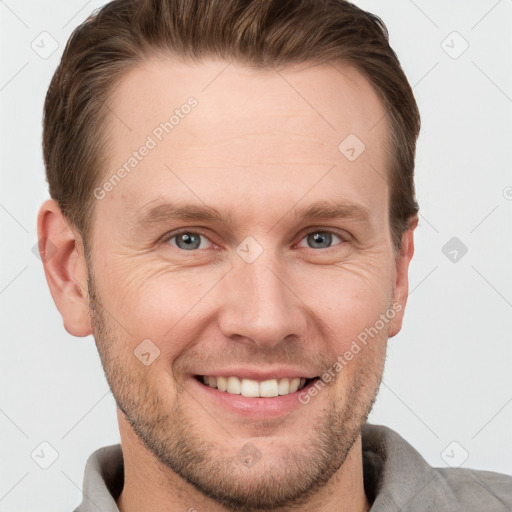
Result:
398,478
477,489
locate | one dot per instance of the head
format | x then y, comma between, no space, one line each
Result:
232,189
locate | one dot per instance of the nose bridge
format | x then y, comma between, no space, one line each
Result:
259,305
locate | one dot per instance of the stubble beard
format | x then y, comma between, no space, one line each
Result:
172,436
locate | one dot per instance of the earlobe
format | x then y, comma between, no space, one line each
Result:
401,289
65,268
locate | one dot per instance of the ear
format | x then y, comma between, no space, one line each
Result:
61,250
401,289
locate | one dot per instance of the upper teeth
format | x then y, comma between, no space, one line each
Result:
253,388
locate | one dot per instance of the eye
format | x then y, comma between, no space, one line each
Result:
321,239
192,240
187,240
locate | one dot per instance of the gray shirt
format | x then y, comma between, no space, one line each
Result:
396,478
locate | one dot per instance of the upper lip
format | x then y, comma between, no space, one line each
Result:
259,374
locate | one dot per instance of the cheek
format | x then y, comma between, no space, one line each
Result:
347,298
158,300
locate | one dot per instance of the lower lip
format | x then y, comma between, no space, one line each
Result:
253,406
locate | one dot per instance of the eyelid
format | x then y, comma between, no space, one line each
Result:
173,234
343,235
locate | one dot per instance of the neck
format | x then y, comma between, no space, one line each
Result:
149,485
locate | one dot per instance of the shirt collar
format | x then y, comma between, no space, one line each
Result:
396,476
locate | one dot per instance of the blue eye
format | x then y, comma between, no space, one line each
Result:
187,240
321,239
190,240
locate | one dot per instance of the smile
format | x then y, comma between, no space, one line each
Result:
255,389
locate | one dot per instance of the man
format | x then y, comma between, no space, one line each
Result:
233,212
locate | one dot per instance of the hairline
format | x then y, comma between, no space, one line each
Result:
155,54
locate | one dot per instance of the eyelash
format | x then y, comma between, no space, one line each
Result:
170,236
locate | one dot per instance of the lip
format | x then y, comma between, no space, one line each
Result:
278,372
251,407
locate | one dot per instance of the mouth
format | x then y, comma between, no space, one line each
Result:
254,399
250,388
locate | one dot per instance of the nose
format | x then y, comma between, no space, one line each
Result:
259,305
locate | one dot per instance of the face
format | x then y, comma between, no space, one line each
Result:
244,243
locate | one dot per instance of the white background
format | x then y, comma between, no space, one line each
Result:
447,376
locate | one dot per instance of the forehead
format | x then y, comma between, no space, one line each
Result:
261,129
336,96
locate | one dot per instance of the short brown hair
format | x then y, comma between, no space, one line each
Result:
260,33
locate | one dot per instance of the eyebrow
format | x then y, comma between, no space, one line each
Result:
325,210
320,210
